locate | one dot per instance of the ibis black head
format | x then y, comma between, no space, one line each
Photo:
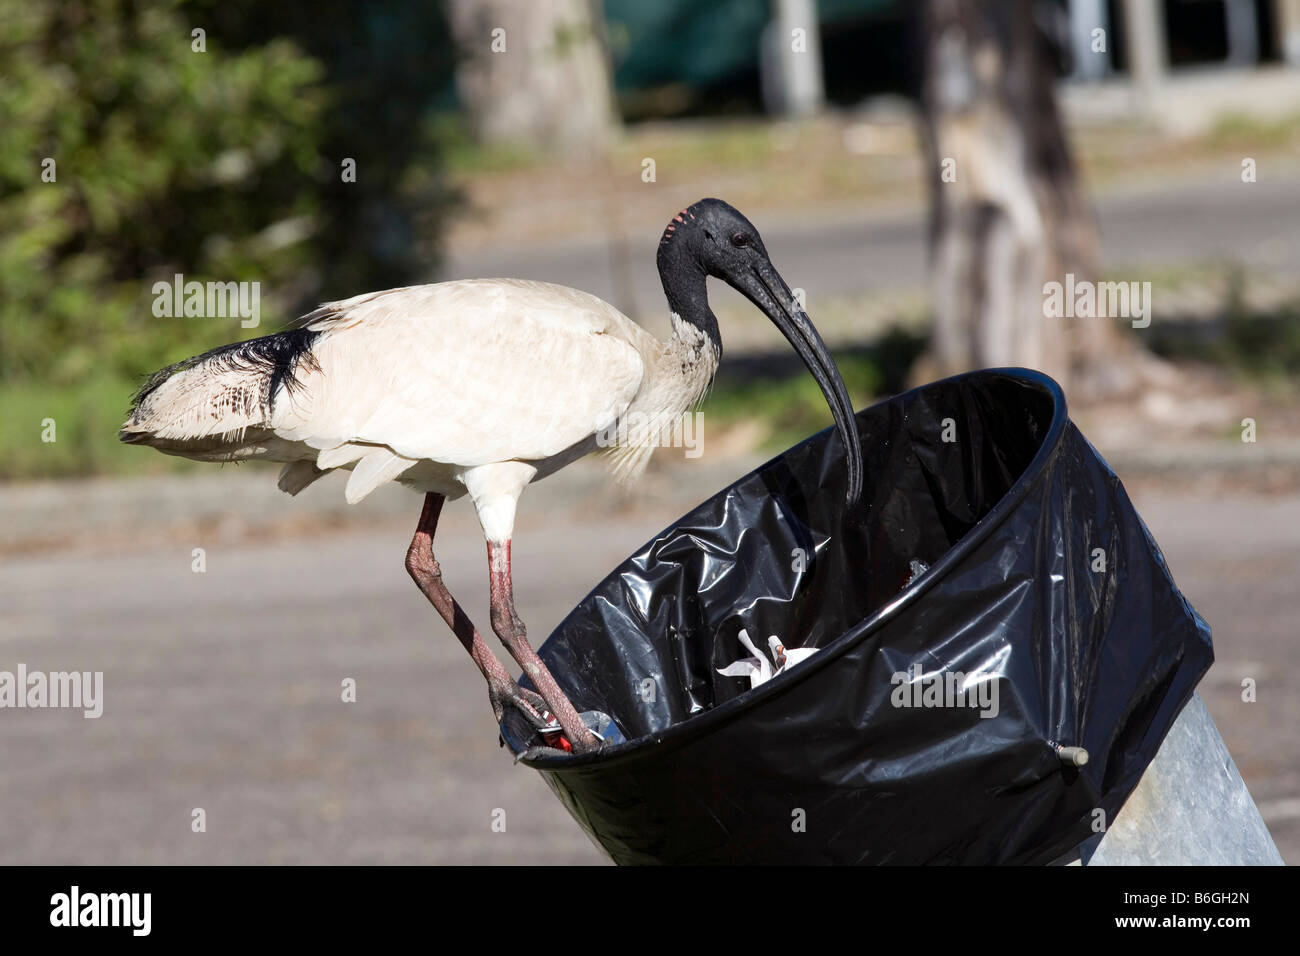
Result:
710,238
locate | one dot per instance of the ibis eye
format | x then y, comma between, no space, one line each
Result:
739,240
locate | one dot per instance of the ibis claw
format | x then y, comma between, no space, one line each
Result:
545,737
528,703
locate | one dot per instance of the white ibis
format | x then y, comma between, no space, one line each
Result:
479,386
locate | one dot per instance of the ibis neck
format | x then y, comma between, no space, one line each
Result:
678,371
688,299
686,366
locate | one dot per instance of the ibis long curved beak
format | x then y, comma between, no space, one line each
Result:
764,287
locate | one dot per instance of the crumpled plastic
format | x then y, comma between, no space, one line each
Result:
994,602
757,668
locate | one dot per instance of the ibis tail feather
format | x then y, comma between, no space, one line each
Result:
215,406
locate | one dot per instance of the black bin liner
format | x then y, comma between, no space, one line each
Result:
1041,578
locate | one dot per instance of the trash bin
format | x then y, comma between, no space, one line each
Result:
992,612
1191,808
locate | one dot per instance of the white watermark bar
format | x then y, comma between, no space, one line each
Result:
945,689
1084,299
73,690
637,430
127,910
208,300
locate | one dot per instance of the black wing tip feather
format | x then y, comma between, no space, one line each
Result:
276,356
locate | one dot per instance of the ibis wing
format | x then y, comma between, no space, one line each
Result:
471,372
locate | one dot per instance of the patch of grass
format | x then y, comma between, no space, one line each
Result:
1263,346
734,148
464,157
778,392
83,419
1252,133
692,148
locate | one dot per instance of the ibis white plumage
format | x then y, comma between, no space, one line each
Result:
479,387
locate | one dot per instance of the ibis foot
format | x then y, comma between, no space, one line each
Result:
527,702
545,726
505,621
535,724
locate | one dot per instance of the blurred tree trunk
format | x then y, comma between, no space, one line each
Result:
534,73
1006,212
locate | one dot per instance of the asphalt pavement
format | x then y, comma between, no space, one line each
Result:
224,687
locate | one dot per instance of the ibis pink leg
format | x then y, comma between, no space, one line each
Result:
424,570
511,631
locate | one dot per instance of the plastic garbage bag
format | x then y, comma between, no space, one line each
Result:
994,600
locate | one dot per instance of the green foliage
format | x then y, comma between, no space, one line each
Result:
388,67
165,160
222,164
